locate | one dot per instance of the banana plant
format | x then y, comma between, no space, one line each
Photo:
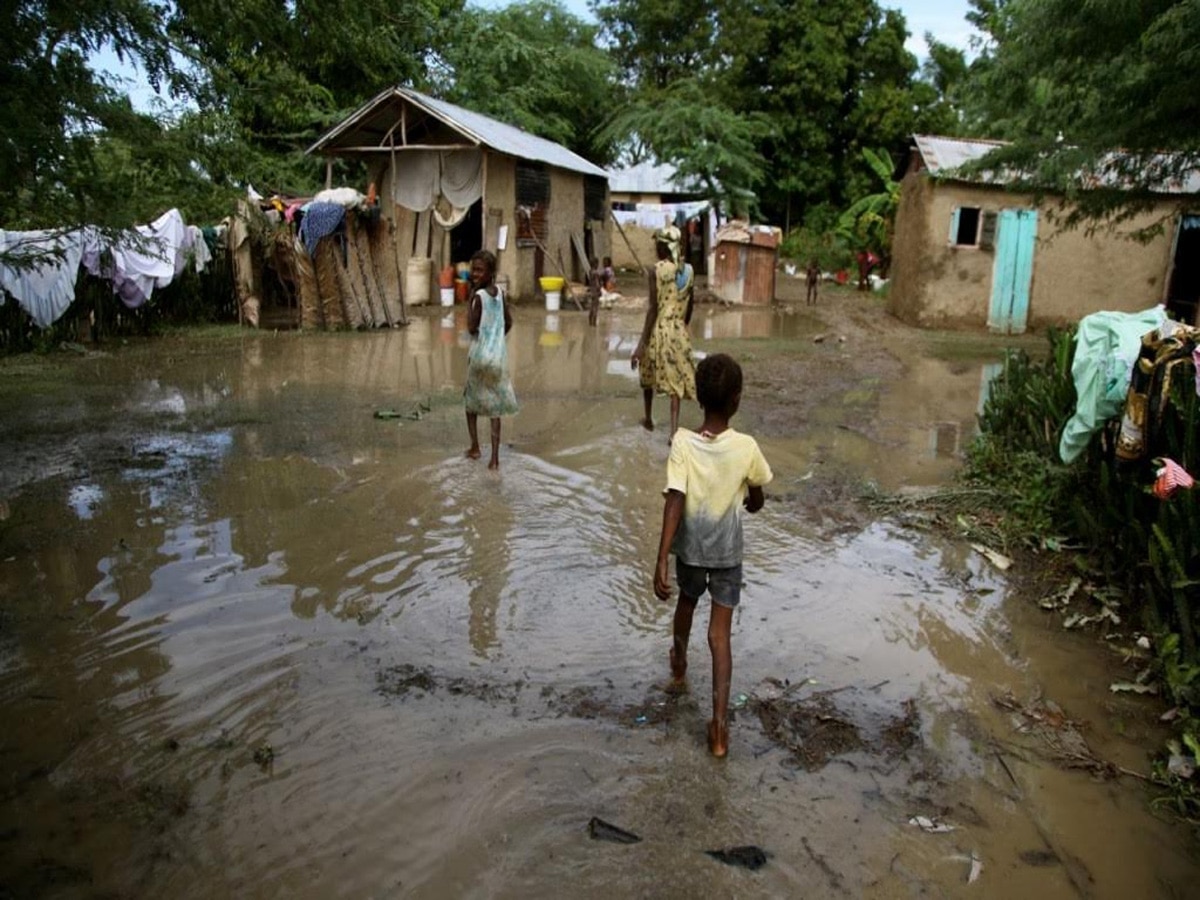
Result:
868,222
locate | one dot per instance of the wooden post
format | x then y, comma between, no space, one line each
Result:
627,242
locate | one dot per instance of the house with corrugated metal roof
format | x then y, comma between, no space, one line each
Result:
968,253
451,181
648,195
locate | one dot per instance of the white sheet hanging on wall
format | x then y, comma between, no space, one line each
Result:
418,178
422,176
462,177
44,289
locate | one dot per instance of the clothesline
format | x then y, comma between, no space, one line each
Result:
40,268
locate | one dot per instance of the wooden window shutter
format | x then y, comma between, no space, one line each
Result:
987,233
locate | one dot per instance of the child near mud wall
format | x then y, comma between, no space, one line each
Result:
489,390
710,474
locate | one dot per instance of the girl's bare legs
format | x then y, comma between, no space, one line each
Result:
720,623
680,633
674,416
648,403
473,450
494,462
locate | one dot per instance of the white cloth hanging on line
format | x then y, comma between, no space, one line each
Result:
422,176
462,177
418,178
138,265
44,270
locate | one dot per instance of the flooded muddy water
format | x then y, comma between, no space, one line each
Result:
255,640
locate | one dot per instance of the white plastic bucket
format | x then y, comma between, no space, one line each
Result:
447,296
553,300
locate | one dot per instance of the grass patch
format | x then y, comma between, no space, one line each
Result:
952,346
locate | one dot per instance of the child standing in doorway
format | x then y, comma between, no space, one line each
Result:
489,390
710,474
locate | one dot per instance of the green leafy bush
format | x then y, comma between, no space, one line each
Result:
1145,547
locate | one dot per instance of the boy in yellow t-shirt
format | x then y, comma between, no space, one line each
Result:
710,474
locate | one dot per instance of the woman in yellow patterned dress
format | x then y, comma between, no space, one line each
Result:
664,353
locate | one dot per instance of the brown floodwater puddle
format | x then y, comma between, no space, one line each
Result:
257,640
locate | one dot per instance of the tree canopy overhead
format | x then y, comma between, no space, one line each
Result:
812,82
769,98
532,65
1100,100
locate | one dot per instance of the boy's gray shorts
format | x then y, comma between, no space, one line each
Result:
724,585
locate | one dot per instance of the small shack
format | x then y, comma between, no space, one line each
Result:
451,181
968,253
744,263
649,195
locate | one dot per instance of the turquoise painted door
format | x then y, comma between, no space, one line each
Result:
1016,234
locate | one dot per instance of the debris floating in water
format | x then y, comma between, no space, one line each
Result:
930,826
749,857
604,831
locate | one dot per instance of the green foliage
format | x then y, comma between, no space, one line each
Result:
535,66
825,79
1146,548
53,105
867,224
1030,400
712,144
656,44
831,251
1087,92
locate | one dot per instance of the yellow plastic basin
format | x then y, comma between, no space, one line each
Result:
550,283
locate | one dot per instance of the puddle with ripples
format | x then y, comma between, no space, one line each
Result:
455,670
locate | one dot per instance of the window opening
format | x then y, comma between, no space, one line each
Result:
533,202
964,231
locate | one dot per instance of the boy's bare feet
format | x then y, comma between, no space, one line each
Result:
472,453
493,464
718,739
648,424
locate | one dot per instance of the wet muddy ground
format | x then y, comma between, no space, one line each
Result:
256,640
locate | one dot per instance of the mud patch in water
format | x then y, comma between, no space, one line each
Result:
812,730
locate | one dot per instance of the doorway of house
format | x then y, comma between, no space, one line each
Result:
1012,273
1183,288
467,236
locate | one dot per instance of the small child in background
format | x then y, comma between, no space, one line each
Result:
594,288
710,474
608,278
813,278
489,390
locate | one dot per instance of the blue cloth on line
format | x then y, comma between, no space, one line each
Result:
320,220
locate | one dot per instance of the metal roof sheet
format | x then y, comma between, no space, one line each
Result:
943,156
650,177
475,126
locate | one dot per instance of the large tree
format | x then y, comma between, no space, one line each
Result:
817,81
270,76
56,110
1101,100
533,65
